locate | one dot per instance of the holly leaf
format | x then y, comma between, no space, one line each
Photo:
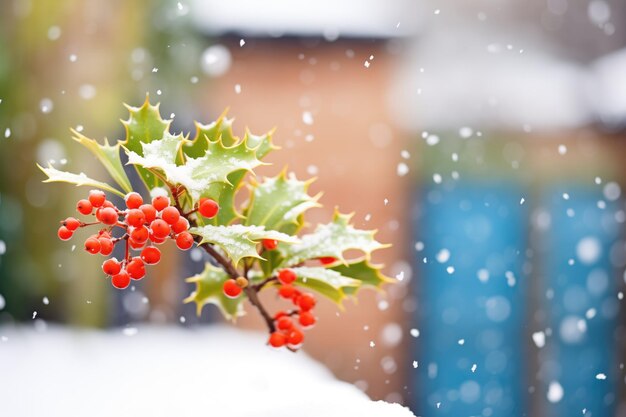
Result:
212,132
279,203
362,270
144,125
54,175
195,174
332,240
209,284
239,241
225,193
331,284
109,156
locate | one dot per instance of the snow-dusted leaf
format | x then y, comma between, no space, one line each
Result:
331,284
209,285
196,174
279,202
54,175
332,240
144,125
109,156
364,271
239,241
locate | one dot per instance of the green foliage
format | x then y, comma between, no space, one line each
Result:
239,241
332,240
209,291
54,175
217,164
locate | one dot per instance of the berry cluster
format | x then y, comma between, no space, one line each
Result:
287,333
143,227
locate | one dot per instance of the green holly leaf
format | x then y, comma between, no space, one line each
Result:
144,125
332,240
279,203
195,174
362,270
54,175
331,284
209,285
109,156
239,241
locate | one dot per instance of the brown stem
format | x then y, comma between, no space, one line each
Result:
251,291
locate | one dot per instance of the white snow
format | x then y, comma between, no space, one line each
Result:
540,339
555,392
161,371
588,250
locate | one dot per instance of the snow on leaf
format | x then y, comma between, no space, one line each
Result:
54,175
331,284
196,174
364,271
239,241
279,202
109,156
332,240
209,285
144,125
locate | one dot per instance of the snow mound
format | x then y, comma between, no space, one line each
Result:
160,371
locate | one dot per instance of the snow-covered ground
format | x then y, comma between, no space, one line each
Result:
160,371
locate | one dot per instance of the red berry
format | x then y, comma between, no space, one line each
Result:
139,234
295,338
286,291
107,215
155,239
231,289
286,276
208,208
284,323
135,218
121,280
106,246
306,302
184,240
269,244
97,198
107,203
71,223
180,226
136,268
136,245
159,228
170,215
149,211
160,202
64,233
307,319
111,267
277,339
151,255
84,207
280,314
133,200
327,260
92,245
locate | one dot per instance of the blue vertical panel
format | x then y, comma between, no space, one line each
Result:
471,296
581,303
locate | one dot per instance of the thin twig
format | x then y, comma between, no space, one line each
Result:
227,265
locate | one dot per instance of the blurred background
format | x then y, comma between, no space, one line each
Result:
484,139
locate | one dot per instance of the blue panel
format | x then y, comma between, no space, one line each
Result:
581,303
473,314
